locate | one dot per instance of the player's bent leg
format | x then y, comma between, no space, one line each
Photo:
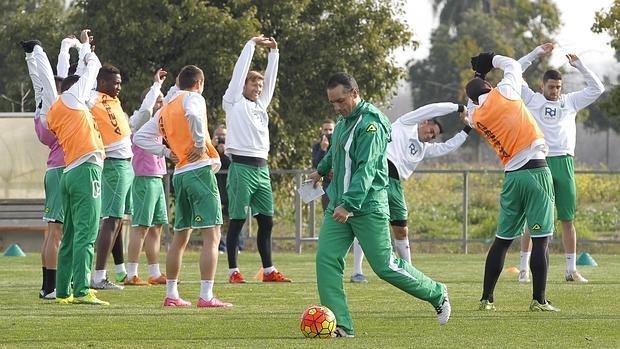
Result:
334,242
372,231
401,239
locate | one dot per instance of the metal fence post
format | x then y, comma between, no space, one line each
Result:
312,218
298,213
465,207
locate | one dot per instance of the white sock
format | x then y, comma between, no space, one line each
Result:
269,270
154,271
120,268
358,257
132,270
206,289
524,264
402,247
232,270
99,275
571,262
171,289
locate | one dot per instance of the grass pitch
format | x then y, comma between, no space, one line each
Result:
267,315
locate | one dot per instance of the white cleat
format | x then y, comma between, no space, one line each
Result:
444,309
524,276
575,276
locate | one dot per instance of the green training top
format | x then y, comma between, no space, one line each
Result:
359,163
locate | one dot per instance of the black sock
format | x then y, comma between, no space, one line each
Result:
50,284
43,278
117,249
539,264
232,241
493,267
263,239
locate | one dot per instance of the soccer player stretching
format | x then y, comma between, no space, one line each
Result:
500,116
182,122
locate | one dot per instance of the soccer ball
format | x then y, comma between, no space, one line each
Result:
318,322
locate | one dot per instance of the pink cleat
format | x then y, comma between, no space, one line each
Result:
213,303
170,302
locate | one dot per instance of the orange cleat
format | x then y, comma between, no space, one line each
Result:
275,276
136,281
160,280
236,278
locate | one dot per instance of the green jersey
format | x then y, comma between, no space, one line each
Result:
357,156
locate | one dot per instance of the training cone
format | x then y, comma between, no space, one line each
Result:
586,259
259,275
512,270
14,251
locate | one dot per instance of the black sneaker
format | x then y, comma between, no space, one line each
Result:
29,45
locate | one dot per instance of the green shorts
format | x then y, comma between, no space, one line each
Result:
53,211
396,200
563,173
116,178
197,199
526,198
149,201
248,186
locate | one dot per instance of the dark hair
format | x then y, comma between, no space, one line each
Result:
344,79
68,82
475,88
552,75
72,68
436,122
328,121
107,72
189,75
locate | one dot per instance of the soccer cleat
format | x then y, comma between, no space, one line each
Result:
486,305
120,277
50,296
535,306
524,276
41,293
29,45
359,279
575,276
171,302
444,309
275,276
105,284
160,280
91,299
136,281
341,332
67,300
236,278
213,303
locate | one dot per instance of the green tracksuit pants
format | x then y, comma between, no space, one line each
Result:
81,195
373,232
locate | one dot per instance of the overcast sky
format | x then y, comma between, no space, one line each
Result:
575,34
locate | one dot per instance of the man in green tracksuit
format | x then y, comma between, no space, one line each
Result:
358,207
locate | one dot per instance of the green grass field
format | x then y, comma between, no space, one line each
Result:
267,315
